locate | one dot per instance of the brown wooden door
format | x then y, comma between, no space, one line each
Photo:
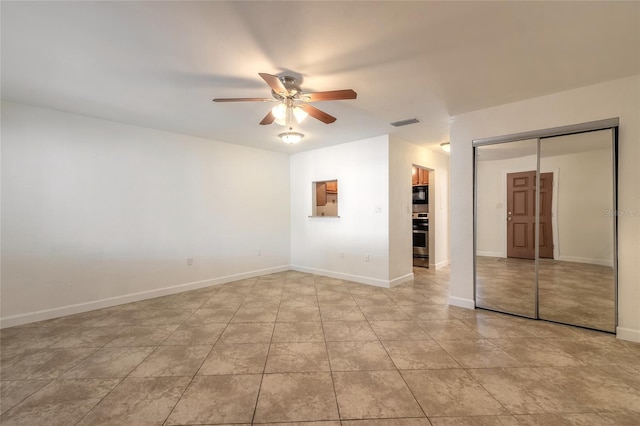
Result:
521,218
546,234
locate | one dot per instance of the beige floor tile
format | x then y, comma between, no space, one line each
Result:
389,422
372,300
374,394
33,337
142,335
259,332
297,358
186,334
418,355
356,356
44,363
298,314
293,301
341,313
298,332
398,330
384,313
172,361
347,331
329,423
211,315
476,421
448,330
217,399
621,419
594,387
158,317
255,314
296,397
86,337
109,362
138,401
537,352
236,358
451,392
13,392
582,419
478,353
523,391
427,312
62,402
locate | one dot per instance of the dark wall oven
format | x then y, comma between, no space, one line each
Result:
421,239
420,194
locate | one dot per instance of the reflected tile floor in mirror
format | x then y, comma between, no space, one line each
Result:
293,348
572,293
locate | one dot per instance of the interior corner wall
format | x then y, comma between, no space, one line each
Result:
617,98
403,156
96,213
338,247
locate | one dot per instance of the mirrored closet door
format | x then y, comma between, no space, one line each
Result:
545,224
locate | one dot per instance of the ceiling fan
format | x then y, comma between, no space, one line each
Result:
292,102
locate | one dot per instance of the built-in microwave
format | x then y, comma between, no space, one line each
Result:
421,194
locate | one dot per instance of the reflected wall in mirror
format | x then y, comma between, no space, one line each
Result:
325,198
505,227
576,284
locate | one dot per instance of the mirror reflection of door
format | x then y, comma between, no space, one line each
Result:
521,215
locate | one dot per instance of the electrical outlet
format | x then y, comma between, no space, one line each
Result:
259,252
366,257
189,261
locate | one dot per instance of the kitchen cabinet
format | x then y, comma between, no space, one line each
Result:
423,176
332,186
419,176
321,193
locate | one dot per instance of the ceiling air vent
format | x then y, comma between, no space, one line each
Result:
405,122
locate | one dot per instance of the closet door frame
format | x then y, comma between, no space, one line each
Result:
609,123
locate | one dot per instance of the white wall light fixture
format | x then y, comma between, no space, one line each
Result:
446,146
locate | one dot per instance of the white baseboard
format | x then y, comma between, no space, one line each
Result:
629,334
462,303
342,276
403,279
601,262
442,264
128,298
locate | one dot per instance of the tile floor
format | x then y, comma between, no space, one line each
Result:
292,348
508,285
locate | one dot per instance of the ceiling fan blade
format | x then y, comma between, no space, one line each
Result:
243,100
332,95
268,119
318,114
274,82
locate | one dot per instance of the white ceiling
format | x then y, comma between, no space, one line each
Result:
159,64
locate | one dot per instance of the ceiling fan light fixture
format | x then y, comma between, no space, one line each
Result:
279,111
291,137
300,114
446,146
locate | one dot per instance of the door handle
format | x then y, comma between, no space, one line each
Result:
509,218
